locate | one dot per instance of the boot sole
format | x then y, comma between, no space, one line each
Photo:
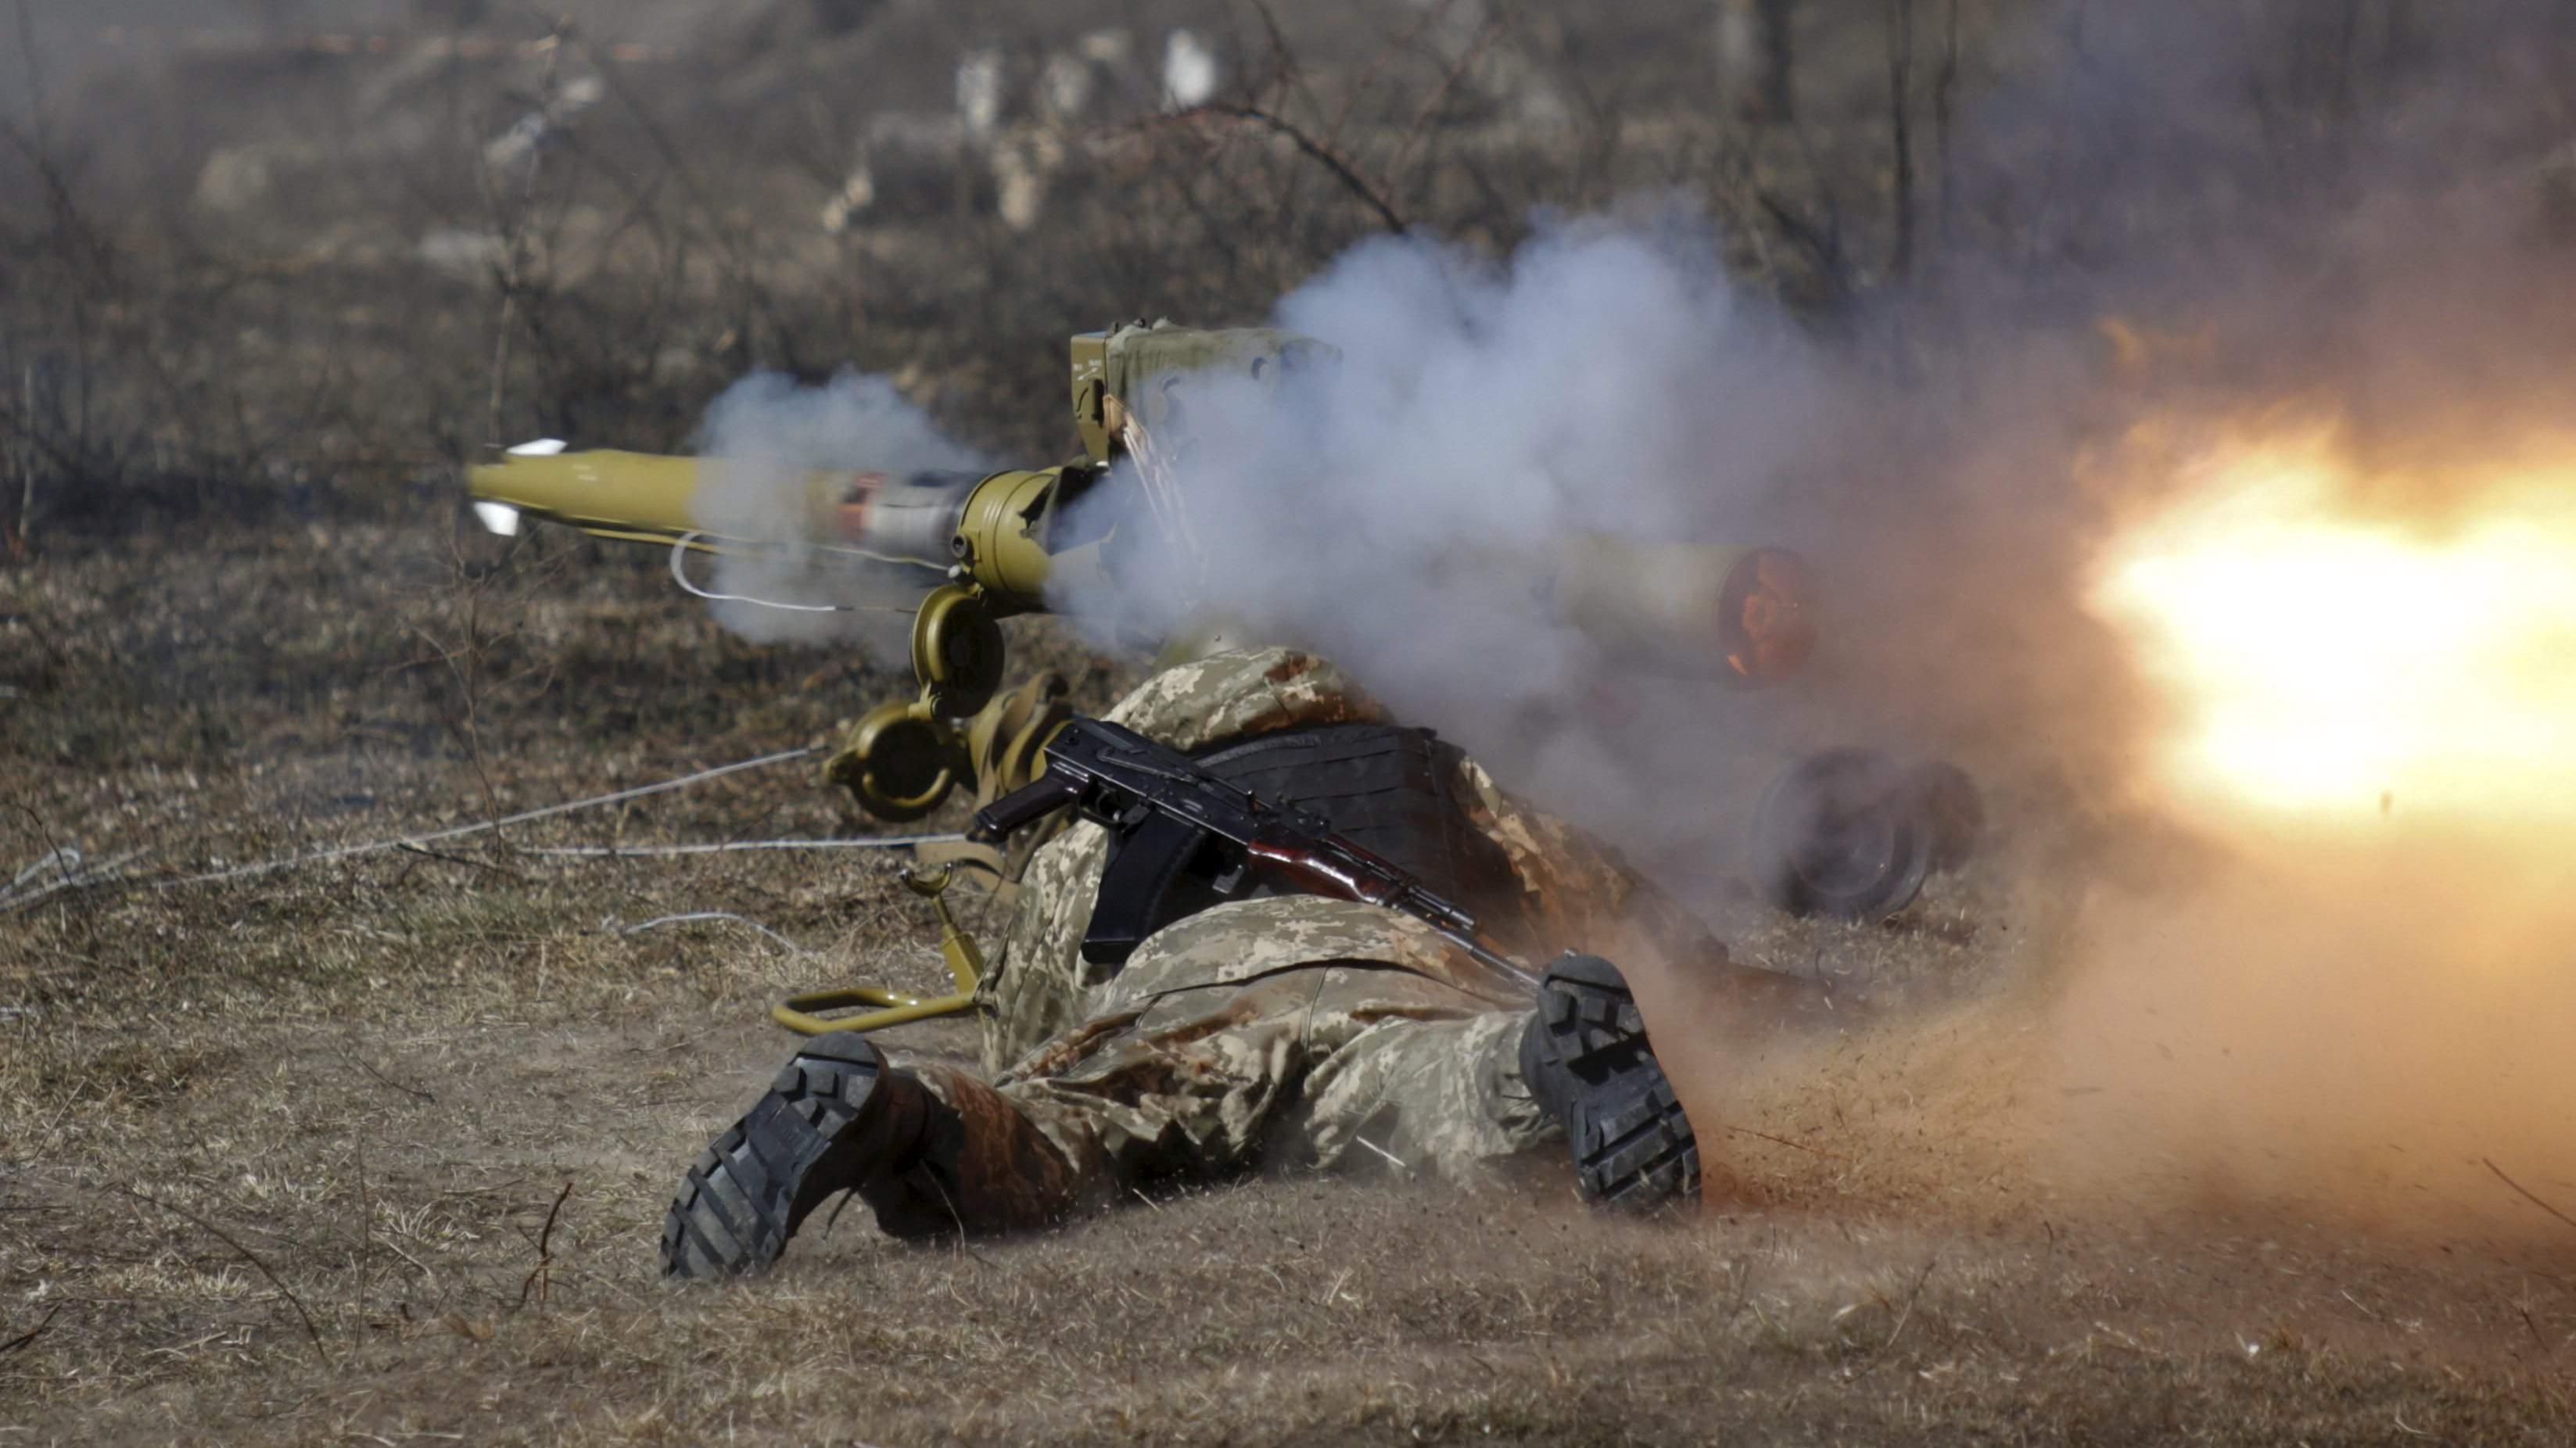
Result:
1633,1146
748,1191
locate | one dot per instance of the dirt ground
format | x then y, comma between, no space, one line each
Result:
376,1149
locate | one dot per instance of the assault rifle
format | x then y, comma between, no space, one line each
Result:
1173,821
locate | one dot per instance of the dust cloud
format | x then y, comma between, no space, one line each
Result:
2365,1022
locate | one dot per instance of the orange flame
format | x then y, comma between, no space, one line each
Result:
2324,658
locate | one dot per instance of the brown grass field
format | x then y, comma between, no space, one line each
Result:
375,1149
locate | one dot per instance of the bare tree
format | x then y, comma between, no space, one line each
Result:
1900,129
1756,58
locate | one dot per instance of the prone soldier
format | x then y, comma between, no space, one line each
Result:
1280,1028
1285,1029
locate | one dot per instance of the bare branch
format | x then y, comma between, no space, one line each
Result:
311,1333
540,1278
2527,1194
31,1334
1324,156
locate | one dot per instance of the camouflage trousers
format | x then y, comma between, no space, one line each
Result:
1298,1032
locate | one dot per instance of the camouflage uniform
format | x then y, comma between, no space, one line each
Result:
1294,1029
1318,1032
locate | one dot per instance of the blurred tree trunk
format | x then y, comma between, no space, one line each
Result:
449,14
1755,58
1900,129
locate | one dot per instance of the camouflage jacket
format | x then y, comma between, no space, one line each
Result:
1575,890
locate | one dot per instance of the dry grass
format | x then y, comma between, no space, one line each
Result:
352,1095
376,1151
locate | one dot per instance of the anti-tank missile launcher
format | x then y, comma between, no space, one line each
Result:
973,549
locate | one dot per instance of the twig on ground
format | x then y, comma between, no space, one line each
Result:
468,673
427,1276
2526,1193
18,541
362,1064
1784,1141
31,1334
1907,1315
503,871
312,1334
965,1248
541,1276
64,860
2532,1327
366,1228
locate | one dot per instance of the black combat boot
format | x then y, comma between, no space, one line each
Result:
1586,1058
834,1118
838,1118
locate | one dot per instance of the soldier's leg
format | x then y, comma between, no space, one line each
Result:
1348,1063
1289,1068
1452,1097
1341,1029
1188,1078
1441,1097
932,1151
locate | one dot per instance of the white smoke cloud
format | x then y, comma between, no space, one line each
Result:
762,443
1395,510
2195,1006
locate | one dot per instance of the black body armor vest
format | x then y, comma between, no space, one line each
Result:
1386,788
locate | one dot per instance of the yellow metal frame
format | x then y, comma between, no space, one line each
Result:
798,1013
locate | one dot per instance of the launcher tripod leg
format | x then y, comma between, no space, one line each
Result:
800,1013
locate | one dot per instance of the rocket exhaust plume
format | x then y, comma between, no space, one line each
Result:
2330,656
